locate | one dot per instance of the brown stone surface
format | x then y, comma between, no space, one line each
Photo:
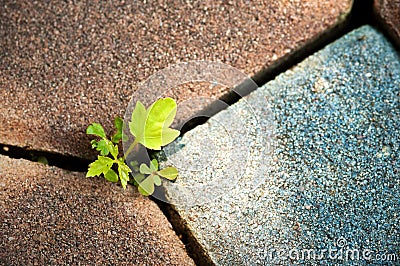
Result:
54,217
388,12
65,64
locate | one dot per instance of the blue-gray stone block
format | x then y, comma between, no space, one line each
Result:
319,169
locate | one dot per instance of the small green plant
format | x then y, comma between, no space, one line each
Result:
150,176
151,128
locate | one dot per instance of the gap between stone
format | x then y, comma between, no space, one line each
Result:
360,14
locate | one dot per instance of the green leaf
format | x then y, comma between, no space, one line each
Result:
101,165
111,176
139,178
43,160
153,165
151,127
160,116
103,147
144,169
169,173
94,143
157,180
96,129
146,187
118,123
134,166
123,171
114,150
116,138
136,126
169,135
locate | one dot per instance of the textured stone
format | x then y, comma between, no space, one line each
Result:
54,217
388,12
313,162
64,64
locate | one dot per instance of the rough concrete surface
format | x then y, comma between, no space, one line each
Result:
388,12
65,64
332,179
51,216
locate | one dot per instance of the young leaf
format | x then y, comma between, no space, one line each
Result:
157,180
94,143
96,129
101,165
136,126
168,136
102,147
160,116
134,166
118,123
169,173
111,176
113,149
123,171
144,169
139,178
151,127
153,165
146,187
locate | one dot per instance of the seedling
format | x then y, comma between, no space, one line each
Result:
151,128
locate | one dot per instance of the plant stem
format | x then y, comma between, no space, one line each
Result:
131,147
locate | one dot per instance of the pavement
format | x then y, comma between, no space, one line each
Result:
323,168
307,162
51,216
388,13
71,64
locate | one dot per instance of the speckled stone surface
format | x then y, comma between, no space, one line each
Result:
65,64
333,178
54,217
388,12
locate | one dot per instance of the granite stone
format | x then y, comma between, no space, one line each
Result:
307,163
51,216
388,13
66,64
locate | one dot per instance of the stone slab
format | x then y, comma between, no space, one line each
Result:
64,65
321,170
51,216
388,12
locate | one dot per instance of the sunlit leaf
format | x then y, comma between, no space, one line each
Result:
96,129
144,169
153,165
114,150
111,176
123,171
103,147
100,166
146,187
151,127
169,173
136,126
157,180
